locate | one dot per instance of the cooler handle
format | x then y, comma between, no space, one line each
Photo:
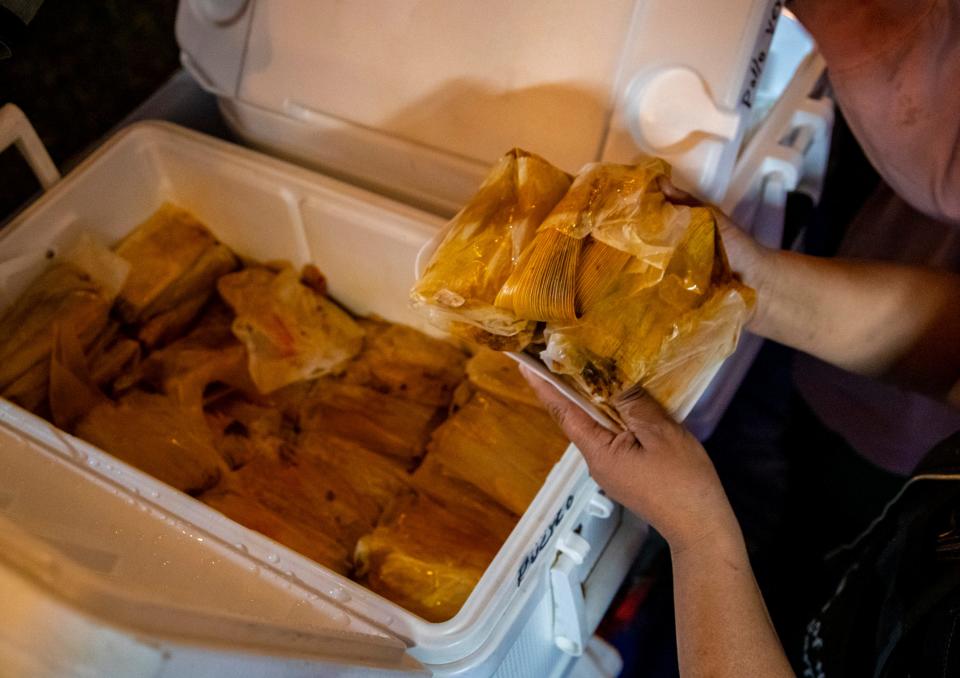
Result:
16,129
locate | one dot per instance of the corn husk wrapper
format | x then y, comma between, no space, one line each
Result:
400,361
291,332
428,556
173,257
482,247
390,425
76,291
158,436
473,443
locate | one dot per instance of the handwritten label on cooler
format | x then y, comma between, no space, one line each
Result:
760,54
545,537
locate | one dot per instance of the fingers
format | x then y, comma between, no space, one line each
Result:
675,195
582,430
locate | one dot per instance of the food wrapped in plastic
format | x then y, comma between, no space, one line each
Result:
481,248
291,331
629,288
665,330
428,557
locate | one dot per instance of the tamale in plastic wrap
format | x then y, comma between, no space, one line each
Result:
481,248
628,288
291,331
428,557
664,318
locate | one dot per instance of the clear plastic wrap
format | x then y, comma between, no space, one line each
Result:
626,288
291,331
481,248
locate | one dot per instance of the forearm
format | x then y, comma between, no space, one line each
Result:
723,628
872,318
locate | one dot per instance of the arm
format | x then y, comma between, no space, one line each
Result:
660,472
894,66
872,318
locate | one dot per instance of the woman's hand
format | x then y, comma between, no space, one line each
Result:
656,468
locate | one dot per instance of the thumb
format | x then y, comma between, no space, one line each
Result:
642,415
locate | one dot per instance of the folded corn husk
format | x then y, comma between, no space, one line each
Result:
76,292
174,257
481,248
629,289
428,556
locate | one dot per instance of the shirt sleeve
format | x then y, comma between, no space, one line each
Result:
895,69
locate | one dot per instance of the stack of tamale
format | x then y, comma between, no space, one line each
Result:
367,446
484,465
618,287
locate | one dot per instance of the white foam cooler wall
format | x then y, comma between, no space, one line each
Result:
267,209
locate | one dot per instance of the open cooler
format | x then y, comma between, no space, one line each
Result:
406,103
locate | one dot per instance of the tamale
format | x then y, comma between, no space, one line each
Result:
73,392
369,474
64,295
426,557
500,376
243,430
401,361
482,246
208,354
291,333
460,496
305,492
506,449
158,436
161,251
635,331
293,531
386,424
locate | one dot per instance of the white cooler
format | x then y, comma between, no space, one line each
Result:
106,571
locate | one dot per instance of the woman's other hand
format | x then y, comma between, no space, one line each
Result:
655,468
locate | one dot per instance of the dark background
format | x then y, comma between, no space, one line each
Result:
76,71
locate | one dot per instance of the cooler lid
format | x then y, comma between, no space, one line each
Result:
119,583
439,86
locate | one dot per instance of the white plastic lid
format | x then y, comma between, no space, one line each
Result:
575,82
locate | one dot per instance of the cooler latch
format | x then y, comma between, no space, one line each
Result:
577,552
